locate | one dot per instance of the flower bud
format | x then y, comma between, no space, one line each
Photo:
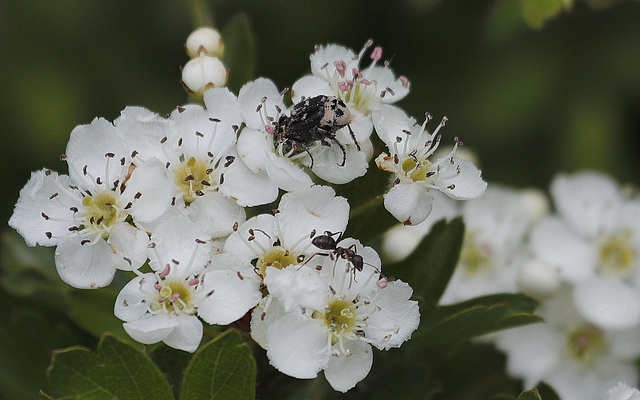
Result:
537,279
204,40
202,73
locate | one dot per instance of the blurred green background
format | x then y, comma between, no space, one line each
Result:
529,101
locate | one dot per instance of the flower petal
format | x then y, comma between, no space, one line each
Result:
129,245
132,302
607,303
232,295
152,329
186,335
85,266
216,214
409,203
345,371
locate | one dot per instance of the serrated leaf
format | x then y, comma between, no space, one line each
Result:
240,52
477,317
118,371
431,265
222,369
173,364
547,392
93,311
532,394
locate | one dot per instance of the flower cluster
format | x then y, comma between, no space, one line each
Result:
580,261
172,200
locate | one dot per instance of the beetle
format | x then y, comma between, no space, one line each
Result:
314,119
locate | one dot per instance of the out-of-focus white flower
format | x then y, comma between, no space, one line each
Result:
165,305
594,242
410,147
86,214
577,358
328,317
623,392
204,40
496,225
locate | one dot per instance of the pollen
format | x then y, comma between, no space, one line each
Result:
617,255
475,258
173,297
277,257
194,177
340,318
101,211
586,344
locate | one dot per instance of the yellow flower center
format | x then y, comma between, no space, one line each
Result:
340,317
277,257
586,344
194,177
174,297
416,174
100,211
474,258
616,253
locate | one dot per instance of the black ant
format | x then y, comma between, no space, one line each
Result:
327,242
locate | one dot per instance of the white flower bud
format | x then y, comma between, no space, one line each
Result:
202,73
204,40
536,203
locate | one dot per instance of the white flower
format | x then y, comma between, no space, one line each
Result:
203,72
262,108
594,242
623,392
285,238
410,146
86,214
337,71
578,359
165,305
204,40
493,246
328,318
197,147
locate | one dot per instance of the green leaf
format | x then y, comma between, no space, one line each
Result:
173,364
479,316
240,52
93,311
431,265
44,396
546,392
537,12
118,371
223,369
532,394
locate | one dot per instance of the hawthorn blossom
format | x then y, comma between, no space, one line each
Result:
262,108
285,239
197,148
326,318
594,241
414,175
90,213
165,305
623,392
579,359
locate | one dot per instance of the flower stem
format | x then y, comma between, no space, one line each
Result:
200,13
369,205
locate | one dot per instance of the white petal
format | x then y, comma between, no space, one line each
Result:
232,296
250,97
264,237
262,316
310,86
298,345
181,244
253,147
246,187
344,372
397,318
306,209
41,196
151,329
155,189
608,304
144,130
388,121
133,300
86,150
327,55
286,174
533,351
623,392
409,203
186,335
558,246
586,200
216,213
129,246
85,266
297,287
460,179
330,170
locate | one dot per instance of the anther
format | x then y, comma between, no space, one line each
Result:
109,155
214,119
240,275
137,195
199,134
53,196
45,216
85,241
